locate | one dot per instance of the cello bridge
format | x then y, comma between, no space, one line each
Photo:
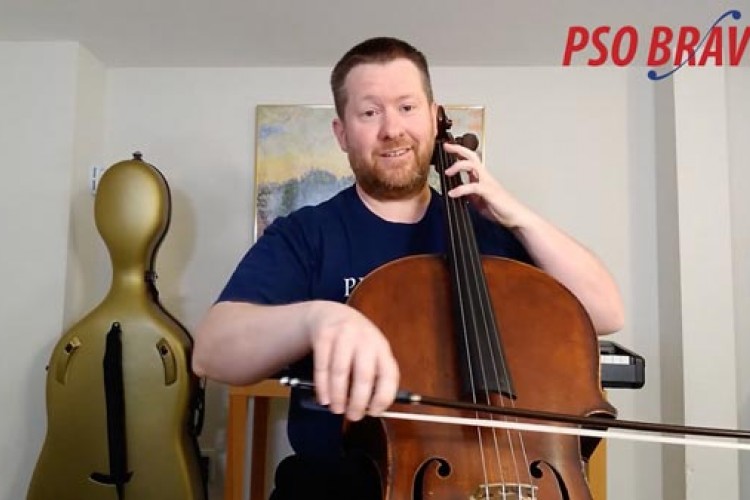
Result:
502,491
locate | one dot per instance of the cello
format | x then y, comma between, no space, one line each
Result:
488,331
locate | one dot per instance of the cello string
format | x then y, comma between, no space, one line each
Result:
490,330
461,273
483,310
453,240
454,210
477,310
469,297
469,274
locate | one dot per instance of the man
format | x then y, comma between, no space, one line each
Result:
284,304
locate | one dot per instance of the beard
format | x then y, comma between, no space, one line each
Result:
392,181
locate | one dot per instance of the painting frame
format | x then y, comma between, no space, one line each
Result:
298,161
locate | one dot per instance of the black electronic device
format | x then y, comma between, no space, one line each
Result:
621,368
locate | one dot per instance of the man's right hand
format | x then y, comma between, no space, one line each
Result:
355,372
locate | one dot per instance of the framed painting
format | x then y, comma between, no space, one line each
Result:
298,161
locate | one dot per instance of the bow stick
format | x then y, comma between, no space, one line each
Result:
407,397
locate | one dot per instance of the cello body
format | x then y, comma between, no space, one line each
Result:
122,403
551,351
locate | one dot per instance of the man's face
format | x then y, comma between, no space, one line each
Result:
388,128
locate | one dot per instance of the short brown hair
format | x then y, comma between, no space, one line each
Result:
376,50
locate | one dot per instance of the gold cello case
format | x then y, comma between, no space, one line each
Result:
123,407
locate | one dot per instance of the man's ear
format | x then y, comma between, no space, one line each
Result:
434,110
340,133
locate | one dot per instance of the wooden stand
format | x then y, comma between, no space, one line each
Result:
597,472
239,397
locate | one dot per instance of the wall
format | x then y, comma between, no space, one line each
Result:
738,83
42,112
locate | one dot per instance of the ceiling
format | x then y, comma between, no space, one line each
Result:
229,33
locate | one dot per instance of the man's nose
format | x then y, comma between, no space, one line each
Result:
392,125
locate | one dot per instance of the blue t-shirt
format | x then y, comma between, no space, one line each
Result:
322,252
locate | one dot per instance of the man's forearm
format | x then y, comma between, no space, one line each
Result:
241,343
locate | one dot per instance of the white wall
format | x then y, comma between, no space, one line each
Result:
706,278
88,268
738,94
580,145
39,103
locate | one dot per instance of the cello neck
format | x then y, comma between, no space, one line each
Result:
483,368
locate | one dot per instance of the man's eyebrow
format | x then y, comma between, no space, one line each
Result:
375,98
